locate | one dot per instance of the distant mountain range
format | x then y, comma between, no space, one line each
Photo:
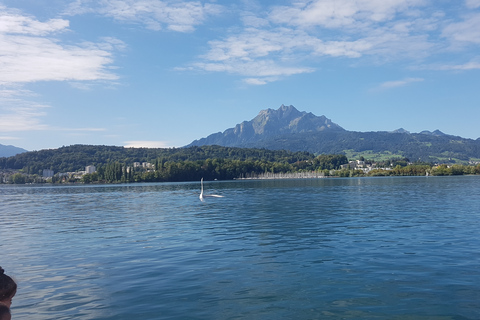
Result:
289,129
8,151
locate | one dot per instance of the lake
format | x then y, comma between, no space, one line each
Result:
353,248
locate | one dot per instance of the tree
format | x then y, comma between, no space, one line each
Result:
18,178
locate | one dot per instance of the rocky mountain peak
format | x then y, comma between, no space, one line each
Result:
268,123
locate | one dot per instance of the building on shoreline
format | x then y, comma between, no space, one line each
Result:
90,169
47,173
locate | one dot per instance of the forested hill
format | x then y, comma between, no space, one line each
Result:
76,157
414,146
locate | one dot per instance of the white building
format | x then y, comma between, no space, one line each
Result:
147,165
90,169
47,173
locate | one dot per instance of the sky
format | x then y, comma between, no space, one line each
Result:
154,73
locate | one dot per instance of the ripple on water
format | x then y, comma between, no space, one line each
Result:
392,248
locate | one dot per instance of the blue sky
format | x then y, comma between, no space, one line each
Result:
152,73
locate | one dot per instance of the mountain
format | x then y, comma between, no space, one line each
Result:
289,129
8,151
269,124
434,133
401,130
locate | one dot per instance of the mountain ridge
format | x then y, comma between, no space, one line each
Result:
270,123
289,129
9,150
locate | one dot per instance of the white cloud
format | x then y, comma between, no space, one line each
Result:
255,81
472,4
279,52
283,39
257,71
253,43
29,52
21,115
299,34
386,45
340,13
147,144
28,59
351,49
18,110
466,31
84,129
180,16
400,83
17,24
261,55
250,20
8,138
472,65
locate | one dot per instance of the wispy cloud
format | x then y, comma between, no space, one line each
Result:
29,52
268,55
464,32
257,72
301,35
147,144
472,4
21,115
9,138
341,13
14,22
284,40
181,16
83,129
400,83
291,39
30,59
19,111
472,65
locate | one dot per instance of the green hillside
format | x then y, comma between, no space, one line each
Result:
77,157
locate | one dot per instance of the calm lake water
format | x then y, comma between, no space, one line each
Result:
366,248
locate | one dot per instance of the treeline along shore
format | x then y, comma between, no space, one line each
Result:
110,164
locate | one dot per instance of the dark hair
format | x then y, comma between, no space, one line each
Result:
4,312
8,287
